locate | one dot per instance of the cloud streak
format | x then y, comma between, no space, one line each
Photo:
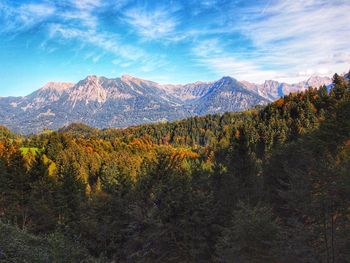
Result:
303,35
106,42
151,25
290,39
26,16
285,40
212,54
79,21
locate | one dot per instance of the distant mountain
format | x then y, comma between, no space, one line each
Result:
125,101
347,76
227,94
188,92
273,90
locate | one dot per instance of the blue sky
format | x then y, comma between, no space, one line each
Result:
170,41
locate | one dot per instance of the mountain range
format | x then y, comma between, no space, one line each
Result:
120,102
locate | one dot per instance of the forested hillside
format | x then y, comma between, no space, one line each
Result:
125,101
267,185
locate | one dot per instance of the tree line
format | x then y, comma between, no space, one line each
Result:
271,184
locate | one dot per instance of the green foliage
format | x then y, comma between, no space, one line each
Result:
6,134
309,184
21,247
266,185
252,236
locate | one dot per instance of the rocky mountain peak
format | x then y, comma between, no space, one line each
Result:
128,77
226,79
49,93
57,86
347,76
200,83
128,100
91,79
317,81
138,81
270,82
88,90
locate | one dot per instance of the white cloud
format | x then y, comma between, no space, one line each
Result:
84,17
25,16
291,40
211,54
95,57
36,10
286,39
155,24
126,55
303,36
208,47
86,4
84,11
107,42
228,65
241,69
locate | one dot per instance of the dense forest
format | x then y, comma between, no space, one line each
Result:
267,185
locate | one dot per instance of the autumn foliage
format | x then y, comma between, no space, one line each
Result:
265,185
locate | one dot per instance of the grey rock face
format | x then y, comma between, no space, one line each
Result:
126,101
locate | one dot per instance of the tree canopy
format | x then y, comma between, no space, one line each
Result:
270,184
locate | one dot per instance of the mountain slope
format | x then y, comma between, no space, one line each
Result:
227,94
273,90
188,92
126,101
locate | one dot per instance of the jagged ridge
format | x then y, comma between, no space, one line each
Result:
125,101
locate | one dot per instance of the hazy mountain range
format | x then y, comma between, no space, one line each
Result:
125,101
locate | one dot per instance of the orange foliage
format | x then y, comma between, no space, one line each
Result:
89,149
142,144
237,134
7,151
313,108
183,153
2,148
347,144
280,102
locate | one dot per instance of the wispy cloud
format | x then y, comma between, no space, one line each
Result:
106,42
151,24
208,48
84,11
81,17
212,54
24,17
303,36
79,21
126,55
254,40
87,4
239,68
290,39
